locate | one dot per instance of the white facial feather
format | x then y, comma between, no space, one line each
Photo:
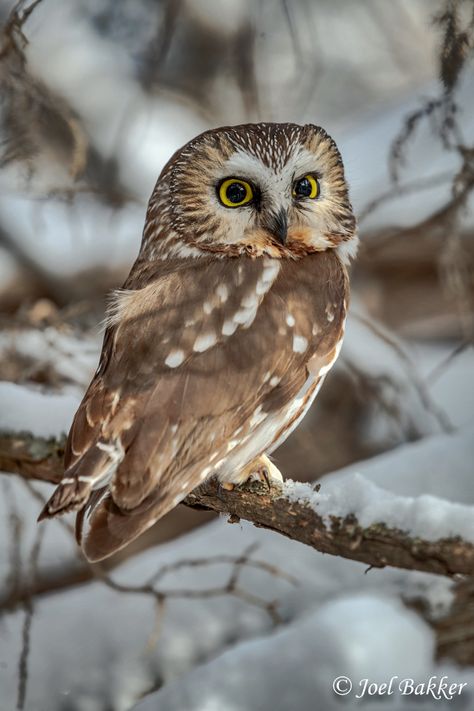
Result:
275,185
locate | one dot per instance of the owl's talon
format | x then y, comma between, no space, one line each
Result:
264,476
261,470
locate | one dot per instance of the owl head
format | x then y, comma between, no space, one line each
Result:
254,189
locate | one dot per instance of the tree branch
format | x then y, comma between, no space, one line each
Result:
377,545
32,457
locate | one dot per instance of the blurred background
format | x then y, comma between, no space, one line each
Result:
95,96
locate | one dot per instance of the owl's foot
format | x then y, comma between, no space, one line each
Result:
260,469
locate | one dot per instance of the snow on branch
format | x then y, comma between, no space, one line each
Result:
343,524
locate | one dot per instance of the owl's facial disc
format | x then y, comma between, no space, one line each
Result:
274,205
276,189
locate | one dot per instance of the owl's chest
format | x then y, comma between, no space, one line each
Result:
317,284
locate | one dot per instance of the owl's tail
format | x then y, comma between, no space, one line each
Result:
93,470
102,528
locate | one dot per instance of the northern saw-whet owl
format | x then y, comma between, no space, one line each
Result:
222,334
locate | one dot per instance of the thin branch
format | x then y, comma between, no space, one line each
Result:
396,190
420,386
231,587
377,545
220,560
440,369
54,581
27,623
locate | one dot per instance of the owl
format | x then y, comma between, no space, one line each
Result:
222,334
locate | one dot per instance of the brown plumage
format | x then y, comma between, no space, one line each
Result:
222,333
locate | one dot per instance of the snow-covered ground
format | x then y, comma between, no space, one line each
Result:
90,644
341,645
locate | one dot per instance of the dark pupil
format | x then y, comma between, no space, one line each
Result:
236,192
303,188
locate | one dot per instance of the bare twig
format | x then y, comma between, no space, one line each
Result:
54,581
231,587
427,401
396,190
28,620
441,367
219,560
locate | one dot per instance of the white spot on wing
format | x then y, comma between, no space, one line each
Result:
222,293
300,344
245,317
229,327
290,320
330,312
175,358
205,341
250,301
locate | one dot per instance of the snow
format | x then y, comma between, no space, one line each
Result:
440,465
397,409
453,386
424,516
27,410
67,239
73,358
58,549
367,489
336,616
295,666
107,632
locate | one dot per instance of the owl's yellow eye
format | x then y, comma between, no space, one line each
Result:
234,192
307,187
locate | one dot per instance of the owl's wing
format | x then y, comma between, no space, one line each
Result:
188,359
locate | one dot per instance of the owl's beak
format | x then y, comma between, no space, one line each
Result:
277,225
